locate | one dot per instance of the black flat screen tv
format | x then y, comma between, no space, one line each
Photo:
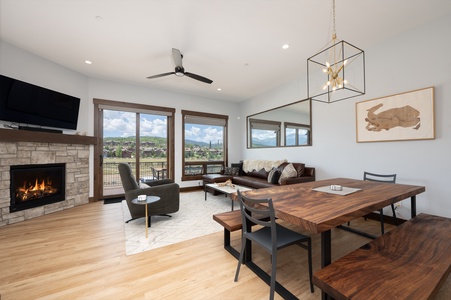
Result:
22,102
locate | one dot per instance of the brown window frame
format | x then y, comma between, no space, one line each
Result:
222,120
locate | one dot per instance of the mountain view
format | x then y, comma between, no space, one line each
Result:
270,142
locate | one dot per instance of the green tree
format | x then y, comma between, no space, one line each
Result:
119,152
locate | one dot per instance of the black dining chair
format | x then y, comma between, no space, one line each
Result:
389,178
271,237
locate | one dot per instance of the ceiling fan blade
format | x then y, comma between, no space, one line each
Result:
160,75
177,57
198,77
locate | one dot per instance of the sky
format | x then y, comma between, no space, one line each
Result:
123,124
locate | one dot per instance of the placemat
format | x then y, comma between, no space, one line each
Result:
345,191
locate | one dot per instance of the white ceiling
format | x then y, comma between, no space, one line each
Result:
236,43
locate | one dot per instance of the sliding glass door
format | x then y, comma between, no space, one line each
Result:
138,137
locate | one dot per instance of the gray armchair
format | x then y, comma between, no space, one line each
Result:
166,189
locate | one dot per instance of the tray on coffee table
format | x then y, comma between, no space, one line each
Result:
226,189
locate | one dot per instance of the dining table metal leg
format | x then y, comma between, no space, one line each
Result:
326,254
413,206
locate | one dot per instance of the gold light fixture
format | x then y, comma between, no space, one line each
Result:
344,67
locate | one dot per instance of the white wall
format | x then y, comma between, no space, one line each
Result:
413,60
25,66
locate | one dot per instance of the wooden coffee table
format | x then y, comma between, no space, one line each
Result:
226,190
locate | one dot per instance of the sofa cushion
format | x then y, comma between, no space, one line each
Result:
215,178
259,174
252,182
288,172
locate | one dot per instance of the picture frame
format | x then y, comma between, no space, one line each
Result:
399,117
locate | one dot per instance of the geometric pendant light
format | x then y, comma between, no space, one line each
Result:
336,72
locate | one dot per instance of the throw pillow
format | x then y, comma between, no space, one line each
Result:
235,171
239,166
227,171
275,177
231,171
288,172
271,174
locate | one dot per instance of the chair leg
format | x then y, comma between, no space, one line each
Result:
394,214
381,211
241,259
273,275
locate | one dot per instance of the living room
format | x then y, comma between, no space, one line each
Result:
410,60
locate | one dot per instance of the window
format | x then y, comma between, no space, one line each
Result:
264,133
297,134
204,144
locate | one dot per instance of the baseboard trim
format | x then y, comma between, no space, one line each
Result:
191,188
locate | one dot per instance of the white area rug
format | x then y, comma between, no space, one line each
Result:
194,219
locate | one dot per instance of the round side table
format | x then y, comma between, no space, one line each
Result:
149,199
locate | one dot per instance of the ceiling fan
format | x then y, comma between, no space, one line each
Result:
179,70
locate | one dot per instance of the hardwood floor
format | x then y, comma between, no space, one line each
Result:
80,254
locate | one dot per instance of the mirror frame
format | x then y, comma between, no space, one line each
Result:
283,125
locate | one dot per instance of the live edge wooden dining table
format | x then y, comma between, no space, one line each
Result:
320,211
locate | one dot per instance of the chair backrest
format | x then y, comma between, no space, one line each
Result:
154,173
391,178
128,180
257,211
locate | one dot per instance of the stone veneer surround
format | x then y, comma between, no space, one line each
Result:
76,158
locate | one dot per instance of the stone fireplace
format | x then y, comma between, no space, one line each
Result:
16,154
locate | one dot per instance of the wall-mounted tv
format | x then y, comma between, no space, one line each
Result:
25,103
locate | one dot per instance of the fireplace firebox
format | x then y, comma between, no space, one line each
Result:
36,185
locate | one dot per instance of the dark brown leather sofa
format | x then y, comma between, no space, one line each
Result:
259,179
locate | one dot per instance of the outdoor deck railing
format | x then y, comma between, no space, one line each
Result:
112,178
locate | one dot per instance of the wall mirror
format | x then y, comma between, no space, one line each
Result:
284,126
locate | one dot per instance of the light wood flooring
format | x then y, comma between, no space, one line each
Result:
80,254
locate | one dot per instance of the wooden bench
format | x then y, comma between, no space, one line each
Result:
231,221
411,261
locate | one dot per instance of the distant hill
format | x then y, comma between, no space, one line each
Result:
271,142
161,142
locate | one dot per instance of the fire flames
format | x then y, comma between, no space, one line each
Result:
38,189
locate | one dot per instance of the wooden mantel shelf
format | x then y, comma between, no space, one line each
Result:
13,135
